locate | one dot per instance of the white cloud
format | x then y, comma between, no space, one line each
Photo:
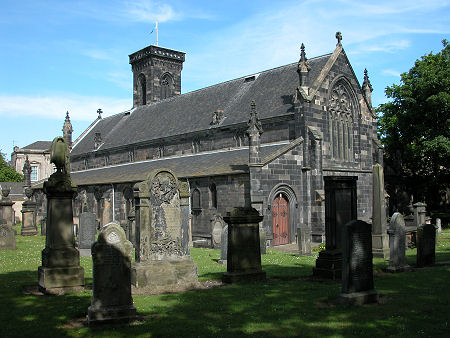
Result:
98,54
390,72
150,11
80,107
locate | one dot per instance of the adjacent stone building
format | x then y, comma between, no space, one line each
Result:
310,122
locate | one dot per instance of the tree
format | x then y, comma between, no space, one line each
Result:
414,127
8,174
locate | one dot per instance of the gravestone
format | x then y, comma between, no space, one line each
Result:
419,213
438,225
60,271
29,227
397,244
162,239
262,241
87,231
304,241
380,240
111,289
426,245
7,236
217,225
357,268
132,226
244,250
44,226
224,245
7,212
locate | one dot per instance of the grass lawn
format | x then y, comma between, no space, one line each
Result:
412,304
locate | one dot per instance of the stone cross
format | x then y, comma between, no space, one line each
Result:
357,268
397,244
111,292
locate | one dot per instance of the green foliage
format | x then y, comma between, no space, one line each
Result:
415,125
8,174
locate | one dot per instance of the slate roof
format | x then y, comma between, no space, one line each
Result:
234,161
39,145
272,91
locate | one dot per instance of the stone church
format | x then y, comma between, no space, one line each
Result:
297,142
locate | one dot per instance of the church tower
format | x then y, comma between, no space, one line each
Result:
67,131
156,74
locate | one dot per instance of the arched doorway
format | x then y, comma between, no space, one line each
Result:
280,214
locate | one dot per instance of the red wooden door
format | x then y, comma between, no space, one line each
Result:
280,212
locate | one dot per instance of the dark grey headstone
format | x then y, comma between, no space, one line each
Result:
426,244
357,268
397,244
87,231
224,246
111,293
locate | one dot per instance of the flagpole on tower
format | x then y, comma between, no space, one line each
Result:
156,33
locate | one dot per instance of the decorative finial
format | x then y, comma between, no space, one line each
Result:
302,53
254,123
99,112
303,67
366,82
367,88
339,38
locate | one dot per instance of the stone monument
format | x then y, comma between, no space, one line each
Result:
7,212
397,244
88,229
244,251
111,291
426,245
380,240
162,240
304,241
357,268
7,236
60,271
224,245
29,227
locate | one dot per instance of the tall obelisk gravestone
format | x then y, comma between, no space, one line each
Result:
60,271
380,239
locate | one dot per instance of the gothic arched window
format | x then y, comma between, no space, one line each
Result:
166,86
195,199
213,196
143,88
340,123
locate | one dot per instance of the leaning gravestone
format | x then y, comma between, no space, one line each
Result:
7,236
426,245
60,271
111,292
357,268
217,225
162,243
86,235
224,246
244,251
397,244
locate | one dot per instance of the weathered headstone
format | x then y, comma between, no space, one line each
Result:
111,291
244,251
7,212
438,225
262,241
380,240
426,245
419,213
397,244
304,241
217,225
29,227
162,239
224,246
7,236
87,231
357,268
60,271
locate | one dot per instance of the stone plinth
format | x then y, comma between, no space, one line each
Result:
357,267
29,227
60,271
244,252
162,234
111,294
7,212
380,240
329,264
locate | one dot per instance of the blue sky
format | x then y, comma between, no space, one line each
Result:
73,55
